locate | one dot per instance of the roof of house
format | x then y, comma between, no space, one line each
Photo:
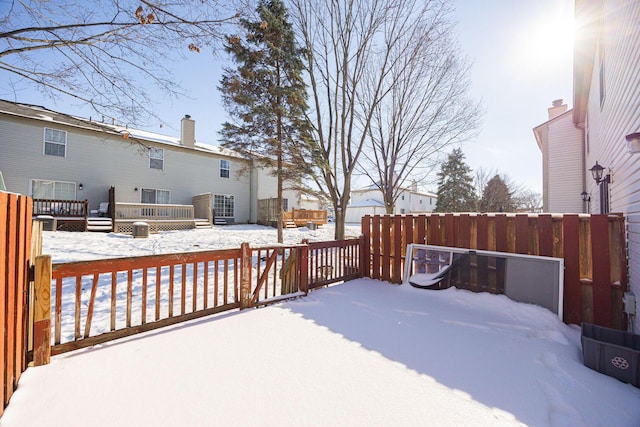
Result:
537,131
367,203
374,187
40,113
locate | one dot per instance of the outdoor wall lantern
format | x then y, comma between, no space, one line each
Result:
633,142
80,186
596,172
586,200
585,197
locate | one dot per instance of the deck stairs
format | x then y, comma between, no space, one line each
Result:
219,221
202,223
99,224
289,223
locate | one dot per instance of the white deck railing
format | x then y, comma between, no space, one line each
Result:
150,212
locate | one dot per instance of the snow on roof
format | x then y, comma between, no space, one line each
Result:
41,113
367,203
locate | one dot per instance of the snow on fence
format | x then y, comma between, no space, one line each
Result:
97,301
593,248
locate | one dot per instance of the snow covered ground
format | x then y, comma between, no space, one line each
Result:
363,353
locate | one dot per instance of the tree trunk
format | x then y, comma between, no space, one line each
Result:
280,219
339,218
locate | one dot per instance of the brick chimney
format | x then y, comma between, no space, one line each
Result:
557,108
187,131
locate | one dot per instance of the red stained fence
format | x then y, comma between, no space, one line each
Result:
593,248
15,261
98,301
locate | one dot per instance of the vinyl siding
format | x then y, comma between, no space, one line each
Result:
618,116
564,162
100,161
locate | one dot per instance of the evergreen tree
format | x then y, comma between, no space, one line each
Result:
266,96
456,192
496,196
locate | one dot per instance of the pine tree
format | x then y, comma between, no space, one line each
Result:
456,192
266,96
496,196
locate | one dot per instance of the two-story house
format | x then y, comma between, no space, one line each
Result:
368,201
54,156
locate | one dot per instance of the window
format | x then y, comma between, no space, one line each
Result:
223,205
224,168
285,204
55,142
53,190
151,195
420,200
156,158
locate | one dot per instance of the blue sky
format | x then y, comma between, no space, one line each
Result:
521,54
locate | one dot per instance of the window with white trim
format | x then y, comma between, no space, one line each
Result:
53,190
156,158
224,168
223,205
155,196
55,142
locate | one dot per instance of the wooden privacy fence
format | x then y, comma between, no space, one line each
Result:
16,253
98,301
593,248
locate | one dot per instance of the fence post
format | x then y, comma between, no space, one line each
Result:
245,276
42,311
303,266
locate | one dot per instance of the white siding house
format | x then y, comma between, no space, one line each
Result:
607,107
52,155
560,142
368,201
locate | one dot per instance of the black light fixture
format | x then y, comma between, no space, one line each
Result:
597,171
80,186
585,197
586,200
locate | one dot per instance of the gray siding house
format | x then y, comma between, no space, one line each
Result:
54,156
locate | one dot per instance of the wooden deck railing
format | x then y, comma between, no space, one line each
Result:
101,300
60,208
151,212
334,261
303,216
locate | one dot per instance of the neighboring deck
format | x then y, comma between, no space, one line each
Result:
302,217
74,215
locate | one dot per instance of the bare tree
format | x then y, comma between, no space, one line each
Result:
104,53
426,107
352,46
528,200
